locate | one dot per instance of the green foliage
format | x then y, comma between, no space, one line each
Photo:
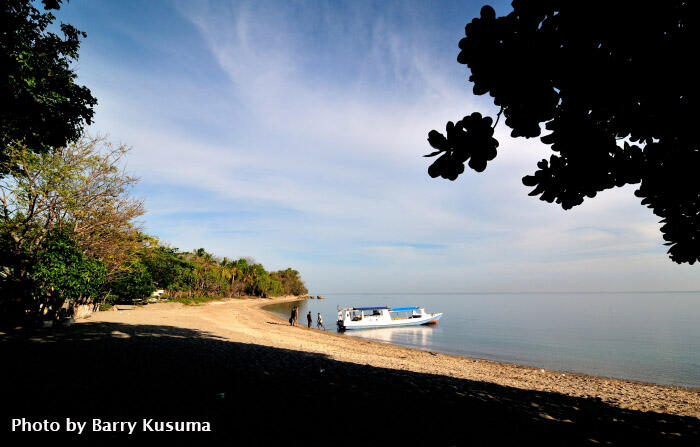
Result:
63,273
67,235
194,300
59,272
81,189
65,217
166,268
40,103
201,274
254,280
133,283
105,305
291,282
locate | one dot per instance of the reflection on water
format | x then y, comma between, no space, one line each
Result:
415,336
653,337
418,336
285,309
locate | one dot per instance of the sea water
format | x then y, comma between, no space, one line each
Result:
649,337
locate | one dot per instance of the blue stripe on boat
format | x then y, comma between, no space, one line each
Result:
403,309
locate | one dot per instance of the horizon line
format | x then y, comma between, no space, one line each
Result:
511,292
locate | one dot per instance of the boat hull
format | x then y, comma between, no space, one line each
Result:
432,319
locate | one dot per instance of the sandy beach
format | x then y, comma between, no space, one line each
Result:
244,321
239,366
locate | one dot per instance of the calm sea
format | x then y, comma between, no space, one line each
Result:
650,337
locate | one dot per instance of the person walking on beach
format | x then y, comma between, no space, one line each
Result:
293,318
309,319
319,322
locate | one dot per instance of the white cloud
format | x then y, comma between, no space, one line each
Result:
330,167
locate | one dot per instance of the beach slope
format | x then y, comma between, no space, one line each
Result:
243,368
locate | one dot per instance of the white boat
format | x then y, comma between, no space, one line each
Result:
384,316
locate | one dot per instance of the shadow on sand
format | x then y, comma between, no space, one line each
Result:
128,372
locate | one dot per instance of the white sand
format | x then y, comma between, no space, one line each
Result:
243,320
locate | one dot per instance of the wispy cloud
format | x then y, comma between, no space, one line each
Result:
295,134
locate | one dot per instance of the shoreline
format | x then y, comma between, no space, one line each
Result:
245,321
496,362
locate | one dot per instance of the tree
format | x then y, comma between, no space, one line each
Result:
41,106
291,282
264,284
613,85
165,266
133,282
80,191
62,273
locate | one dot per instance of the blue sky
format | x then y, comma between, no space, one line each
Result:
292,132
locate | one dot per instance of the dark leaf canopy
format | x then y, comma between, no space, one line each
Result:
609,86
41,105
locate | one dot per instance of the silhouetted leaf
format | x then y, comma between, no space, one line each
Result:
591,79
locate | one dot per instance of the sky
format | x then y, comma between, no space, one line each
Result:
293,133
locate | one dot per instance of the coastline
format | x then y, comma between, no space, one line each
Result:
245,321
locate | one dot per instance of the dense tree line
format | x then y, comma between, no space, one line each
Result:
198,274
67,219
66,224
68,237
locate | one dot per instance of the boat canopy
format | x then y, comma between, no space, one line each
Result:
404,309
370,308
